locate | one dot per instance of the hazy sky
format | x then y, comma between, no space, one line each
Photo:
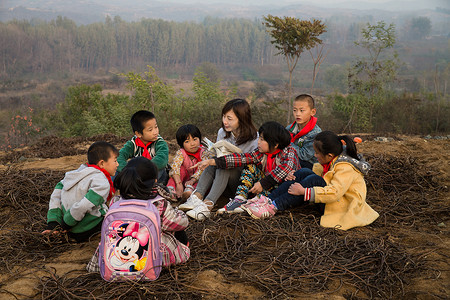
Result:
330,3
378,4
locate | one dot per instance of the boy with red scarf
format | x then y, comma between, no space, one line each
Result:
304,129
147,143
79,201
266,167
183,179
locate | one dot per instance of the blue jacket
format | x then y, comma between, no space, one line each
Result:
304,144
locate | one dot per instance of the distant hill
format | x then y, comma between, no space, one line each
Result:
90,11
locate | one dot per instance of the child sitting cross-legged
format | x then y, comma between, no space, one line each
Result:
183,179
79,201
265,168
337,181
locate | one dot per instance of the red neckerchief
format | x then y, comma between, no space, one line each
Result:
140,143
271,160
112,190
196,155
326,167
308,127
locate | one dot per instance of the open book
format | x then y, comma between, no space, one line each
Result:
220,148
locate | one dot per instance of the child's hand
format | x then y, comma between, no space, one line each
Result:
54,232
256,189
290,176
204,164
179,189
296,189
191,182
55,228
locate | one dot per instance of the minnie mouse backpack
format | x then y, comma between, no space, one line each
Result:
130,246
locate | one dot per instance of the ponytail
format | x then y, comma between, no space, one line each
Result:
350,146
125,182
328,142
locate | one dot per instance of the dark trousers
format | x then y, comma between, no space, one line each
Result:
306,177
84,236
182,237
306,164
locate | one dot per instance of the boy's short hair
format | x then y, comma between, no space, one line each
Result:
100,151
139,118
274,133
185,131
306,97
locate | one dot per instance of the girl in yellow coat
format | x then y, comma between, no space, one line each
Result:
344,194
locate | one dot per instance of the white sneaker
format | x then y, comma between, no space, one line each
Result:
192,202
199,212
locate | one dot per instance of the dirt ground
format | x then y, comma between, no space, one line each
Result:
412,233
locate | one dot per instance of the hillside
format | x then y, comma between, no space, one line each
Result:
404,254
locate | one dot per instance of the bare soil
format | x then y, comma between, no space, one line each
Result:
403,255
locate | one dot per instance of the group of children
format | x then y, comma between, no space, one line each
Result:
264,171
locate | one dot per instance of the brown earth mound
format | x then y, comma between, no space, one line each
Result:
404,254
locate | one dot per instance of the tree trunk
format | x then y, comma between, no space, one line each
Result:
289,111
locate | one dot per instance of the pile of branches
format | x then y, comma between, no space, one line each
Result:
286,256
283,257
23,210
403,193
55,147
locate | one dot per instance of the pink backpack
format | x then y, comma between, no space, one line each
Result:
130,246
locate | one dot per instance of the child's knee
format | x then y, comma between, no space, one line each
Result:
302,173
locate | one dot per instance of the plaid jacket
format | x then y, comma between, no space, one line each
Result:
172,219
285,161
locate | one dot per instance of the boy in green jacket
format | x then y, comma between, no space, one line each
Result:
147,143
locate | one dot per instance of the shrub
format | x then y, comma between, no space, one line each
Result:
22,130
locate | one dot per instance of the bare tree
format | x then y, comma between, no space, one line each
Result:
318,59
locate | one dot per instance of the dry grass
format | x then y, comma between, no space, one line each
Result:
286,256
